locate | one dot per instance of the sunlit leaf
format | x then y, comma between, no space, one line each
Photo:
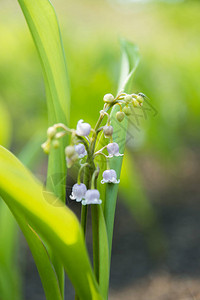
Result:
53,221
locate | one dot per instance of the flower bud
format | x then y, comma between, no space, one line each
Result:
108,131
135,103
51,131
120,116
46,147
140,99
56,144
69,151
128,99
108,98
127,110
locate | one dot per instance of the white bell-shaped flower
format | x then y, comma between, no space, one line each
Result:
80,149
78,192
92,197
113,150
109,176
83,129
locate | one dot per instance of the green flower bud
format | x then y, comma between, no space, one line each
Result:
120,116
135,103
108,131
140,99
128,99
46,147
51,131
69,151
56,144
108,98
127,110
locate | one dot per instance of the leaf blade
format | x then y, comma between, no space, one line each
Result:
43,24
129,62
57,224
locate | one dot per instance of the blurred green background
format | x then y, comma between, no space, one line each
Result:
163,146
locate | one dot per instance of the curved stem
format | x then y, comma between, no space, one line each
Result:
80,172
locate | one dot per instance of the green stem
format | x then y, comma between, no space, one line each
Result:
80,172
94,137
84,218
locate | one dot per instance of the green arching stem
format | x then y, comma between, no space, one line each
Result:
80,172
119,105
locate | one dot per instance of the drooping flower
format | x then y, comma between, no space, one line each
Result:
108,131
80,149
113,150
109,176
92,197
78,192
83,129
69,151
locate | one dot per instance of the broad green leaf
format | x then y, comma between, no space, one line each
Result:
53,221
10,284
29,156
43,25
41,257
129,62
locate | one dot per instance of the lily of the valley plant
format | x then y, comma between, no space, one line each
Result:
82,147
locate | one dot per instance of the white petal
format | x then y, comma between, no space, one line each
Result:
119,154
103,181
78,199
72,197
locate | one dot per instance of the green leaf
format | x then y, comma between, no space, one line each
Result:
10,283
45,268
5,125
31,153
29,156
100,249
43,25
53,222
129,62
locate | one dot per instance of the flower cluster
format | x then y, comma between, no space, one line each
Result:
82,148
